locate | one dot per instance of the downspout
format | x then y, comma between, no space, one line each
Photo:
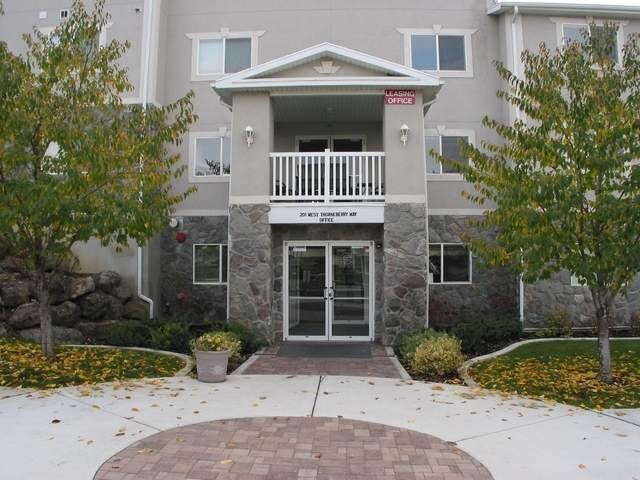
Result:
148,12
426,218
516,72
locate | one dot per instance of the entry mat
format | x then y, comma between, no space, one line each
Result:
324,350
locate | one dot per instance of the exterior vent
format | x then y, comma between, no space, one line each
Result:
64,14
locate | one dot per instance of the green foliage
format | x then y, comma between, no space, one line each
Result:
251,341
126,334
559,324
171,336
408,342
110,178
217,342
437,358
484,335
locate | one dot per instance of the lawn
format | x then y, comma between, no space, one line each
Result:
566,371
23,365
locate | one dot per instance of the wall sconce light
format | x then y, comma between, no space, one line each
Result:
404,133
249,135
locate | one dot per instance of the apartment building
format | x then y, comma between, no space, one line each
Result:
320,214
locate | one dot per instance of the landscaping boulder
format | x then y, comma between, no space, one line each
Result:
122,292
98,306
60,335
3,330
107,281
66,314
14,289
136,309
25,316
96,332
68,287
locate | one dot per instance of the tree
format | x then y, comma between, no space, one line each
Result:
75,162
563,182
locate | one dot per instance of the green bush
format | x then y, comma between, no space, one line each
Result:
559,324
126,334
171,336
408,342
251,341
437,358
487,335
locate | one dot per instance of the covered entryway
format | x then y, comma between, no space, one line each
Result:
329,290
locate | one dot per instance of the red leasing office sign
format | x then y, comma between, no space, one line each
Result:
399,97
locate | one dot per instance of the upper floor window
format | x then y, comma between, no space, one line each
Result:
572,30
447,143
449,263
210,156
210,263
442,50
220,53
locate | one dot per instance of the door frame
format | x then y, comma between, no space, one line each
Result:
330,139
328,244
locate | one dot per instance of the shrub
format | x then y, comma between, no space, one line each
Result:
250,340
126,334
171,336
217,342
408,342
559,324
437,358
486,335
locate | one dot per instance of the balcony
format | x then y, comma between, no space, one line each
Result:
327,177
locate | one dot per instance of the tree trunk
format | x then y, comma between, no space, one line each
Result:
603,312
44,312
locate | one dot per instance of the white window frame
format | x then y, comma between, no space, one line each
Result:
442,131
193,145
437,30
442,282
584,22
193,263
102,37
575,281
330,139
223,34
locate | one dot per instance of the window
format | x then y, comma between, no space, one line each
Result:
449,263
576,281
210,156
448,144
446,51
220,53
209,263
571,30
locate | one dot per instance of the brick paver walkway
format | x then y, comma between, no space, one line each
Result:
291,448
380,364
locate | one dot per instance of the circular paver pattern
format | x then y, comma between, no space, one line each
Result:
281,448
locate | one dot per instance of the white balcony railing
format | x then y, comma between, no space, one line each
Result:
327,176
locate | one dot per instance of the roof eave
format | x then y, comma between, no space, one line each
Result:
562,8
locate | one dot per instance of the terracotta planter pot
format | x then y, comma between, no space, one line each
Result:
212,366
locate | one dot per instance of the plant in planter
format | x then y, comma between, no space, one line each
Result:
213,351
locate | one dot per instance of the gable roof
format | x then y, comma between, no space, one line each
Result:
391,75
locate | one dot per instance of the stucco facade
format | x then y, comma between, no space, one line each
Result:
310,83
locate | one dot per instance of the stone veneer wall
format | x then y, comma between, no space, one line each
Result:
196,304
360,232
494,291
250,267
546,297
405,270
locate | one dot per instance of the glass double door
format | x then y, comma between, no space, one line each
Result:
329,291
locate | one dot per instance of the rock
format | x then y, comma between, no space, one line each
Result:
122,292
95,332
67,287
3,330
107,281
60,335
25,316
98,306
66,314
136,309
14,289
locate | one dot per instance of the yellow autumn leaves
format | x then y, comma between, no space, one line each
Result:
23,365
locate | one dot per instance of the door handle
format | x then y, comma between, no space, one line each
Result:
331,293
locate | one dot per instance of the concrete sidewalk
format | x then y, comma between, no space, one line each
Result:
71,432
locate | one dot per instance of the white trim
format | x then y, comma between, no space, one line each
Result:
404,198
458,211
222,134
223,34
328,245
442,282
200,213
442,131
560,23
102,36
330,139
575,281
436,31
604,7
248,199
193,263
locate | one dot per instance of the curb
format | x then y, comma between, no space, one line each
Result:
463,371
183,372
246,364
